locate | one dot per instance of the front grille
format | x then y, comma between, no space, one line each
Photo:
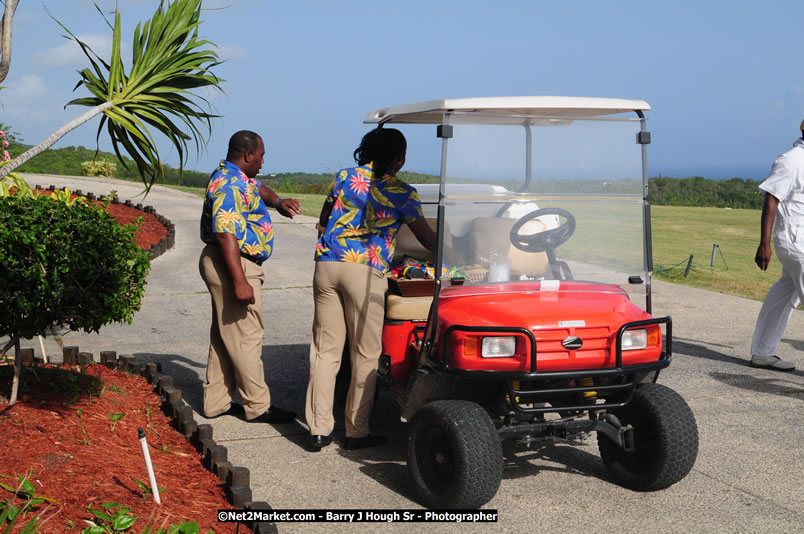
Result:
595,352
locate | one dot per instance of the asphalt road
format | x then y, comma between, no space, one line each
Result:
747,478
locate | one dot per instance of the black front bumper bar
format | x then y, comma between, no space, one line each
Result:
619,371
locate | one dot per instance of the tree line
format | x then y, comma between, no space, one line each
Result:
663,191
68,161
698,191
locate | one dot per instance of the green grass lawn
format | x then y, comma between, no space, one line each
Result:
679,232
311,204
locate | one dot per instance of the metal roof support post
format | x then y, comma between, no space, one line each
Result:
528,155
444,131
643,138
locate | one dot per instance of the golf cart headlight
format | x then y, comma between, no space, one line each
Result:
635,339
498,347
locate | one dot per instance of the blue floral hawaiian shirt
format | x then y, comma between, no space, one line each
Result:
366,214
232,204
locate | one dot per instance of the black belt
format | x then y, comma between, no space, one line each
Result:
249,257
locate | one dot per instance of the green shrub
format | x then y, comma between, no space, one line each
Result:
66,265
98,168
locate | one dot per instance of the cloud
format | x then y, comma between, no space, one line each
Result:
69,54
28,104
231,52
27,88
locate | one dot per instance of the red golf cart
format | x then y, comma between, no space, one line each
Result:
539,325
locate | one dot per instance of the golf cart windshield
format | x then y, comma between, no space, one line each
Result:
578,196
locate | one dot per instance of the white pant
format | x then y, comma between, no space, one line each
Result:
785,295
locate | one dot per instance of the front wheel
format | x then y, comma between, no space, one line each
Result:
665,440
454,455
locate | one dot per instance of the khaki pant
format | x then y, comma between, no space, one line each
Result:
235,339
349,301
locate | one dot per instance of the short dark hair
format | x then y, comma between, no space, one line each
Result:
381,145
242,142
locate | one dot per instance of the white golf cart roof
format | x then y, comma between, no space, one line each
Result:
505,110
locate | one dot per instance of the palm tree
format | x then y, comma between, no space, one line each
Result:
5,37
169,62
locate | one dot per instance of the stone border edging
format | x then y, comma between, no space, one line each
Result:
157,249
214,457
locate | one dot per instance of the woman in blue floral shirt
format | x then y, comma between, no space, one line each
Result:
363,211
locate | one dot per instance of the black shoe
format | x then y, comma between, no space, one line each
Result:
352,444
318,442
275,415
236,409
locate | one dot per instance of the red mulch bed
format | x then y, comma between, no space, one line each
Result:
59,433
150,232
61,430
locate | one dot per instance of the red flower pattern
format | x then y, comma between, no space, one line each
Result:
356,239
359,183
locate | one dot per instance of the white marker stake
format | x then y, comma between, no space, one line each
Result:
147,455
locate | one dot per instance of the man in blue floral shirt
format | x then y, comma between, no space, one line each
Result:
236,226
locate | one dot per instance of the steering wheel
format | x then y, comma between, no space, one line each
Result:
546,240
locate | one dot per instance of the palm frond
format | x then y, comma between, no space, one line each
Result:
169,62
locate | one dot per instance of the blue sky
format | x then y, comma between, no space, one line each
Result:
724,78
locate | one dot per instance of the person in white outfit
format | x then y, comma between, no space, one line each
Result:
784,203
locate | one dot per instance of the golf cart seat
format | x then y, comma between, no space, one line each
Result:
486,233
411,308
399,308
408,245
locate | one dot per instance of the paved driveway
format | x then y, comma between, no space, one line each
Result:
747,477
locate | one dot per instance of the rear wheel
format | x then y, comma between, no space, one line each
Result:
454,455
665,440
